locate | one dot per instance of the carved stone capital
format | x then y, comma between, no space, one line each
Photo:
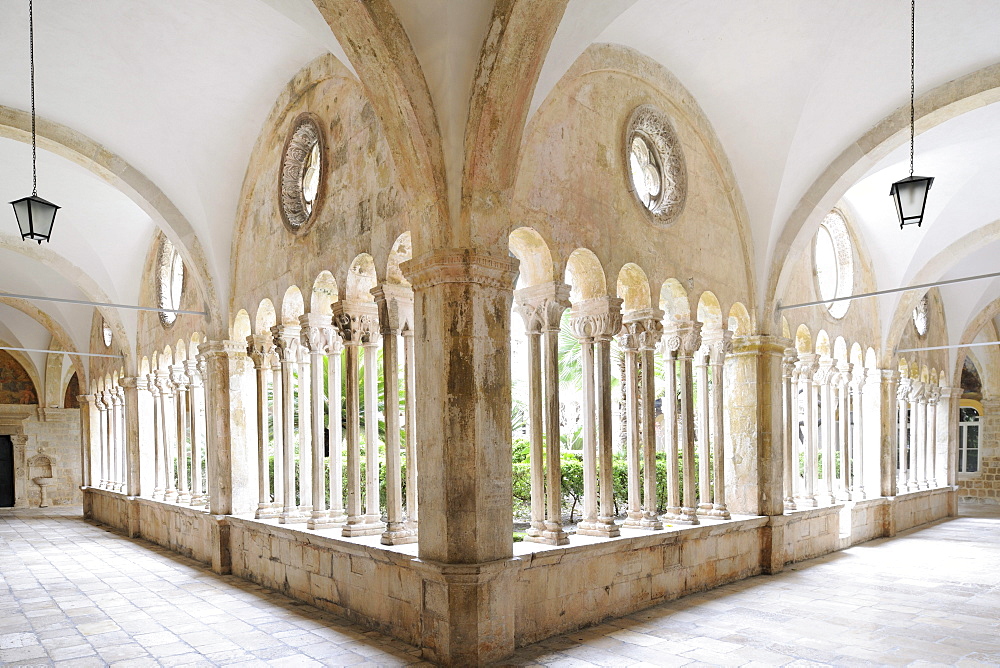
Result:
825,371
193,373
683,337
287,342
903,389
357,322
317,329
178,377
807,366
844,373
933,394
260,347
85,399
719,344
598,318
395,307
645,326
788,361
163,383
542,306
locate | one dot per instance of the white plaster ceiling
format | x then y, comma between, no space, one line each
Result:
180,90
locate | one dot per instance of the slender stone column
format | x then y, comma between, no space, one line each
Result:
789,416
166,424
317,334
720,345
260,348
629,342
115,440
934,396
583,329
844,429
903,391
201,404
826,378
600,319
395,305
913,470
690,342
536,423
948,411
286,342
358,325
102,422
889,430
303,385
88,426
333,391
277,433
808,366
195,409
857,435
410,416
181,382
123,455
159,473
669,348
919,404
702,435
649,330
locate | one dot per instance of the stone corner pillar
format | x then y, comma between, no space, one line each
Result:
232,446
462,303
757,424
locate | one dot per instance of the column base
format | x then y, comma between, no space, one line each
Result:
292,517
170,496
704,509
184,499
650,522
860,494
633,521
720,511
789,504
157,495
536,529
337,516
553,535
843,496
602,528
265,511
362,529
322,520
807,502
396,533
680,516
197,500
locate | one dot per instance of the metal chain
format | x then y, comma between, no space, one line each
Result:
31,49
913,15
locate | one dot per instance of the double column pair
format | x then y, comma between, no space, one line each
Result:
110,404
178,428
917,434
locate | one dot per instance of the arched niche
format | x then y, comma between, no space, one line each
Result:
528,246
585,276
633,287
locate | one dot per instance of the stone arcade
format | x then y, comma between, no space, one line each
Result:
412,256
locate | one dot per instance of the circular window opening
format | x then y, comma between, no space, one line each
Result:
833,260
920,316
169,282
302,173
655,164
106,333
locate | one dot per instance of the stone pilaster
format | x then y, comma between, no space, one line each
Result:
888,420
756,416
136,400
790,421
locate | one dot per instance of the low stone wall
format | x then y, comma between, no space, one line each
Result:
807,533
916,508
869,520
375,586
562,589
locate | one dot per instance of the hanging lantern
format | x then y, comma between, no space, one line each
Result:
35,215
910,194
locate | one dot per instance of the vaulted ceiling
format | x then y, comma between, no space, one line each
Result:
176,92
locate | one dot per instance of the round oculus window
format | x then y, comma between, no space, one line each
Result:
106,333
169,282
655,164
301,173
833,262
920,316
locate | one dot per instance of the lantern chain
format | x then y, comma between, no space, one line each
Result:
913,14
31,51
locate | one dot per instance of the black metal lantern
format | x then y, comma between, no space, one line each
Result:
910,194
35,215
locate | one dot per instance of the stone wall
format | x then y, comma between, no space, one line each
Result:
46,443
984,485
916,508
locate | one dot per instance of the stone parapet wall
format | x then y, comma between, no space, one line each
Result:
804,534
916,508
868,520
566,588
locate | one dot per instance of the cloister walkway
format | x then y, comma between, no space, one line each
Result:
74,594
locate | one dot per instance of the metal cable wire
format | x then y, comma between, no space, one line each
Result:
913,15
31,51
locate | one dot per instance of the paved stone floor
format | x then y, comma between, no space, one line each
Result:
73,594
